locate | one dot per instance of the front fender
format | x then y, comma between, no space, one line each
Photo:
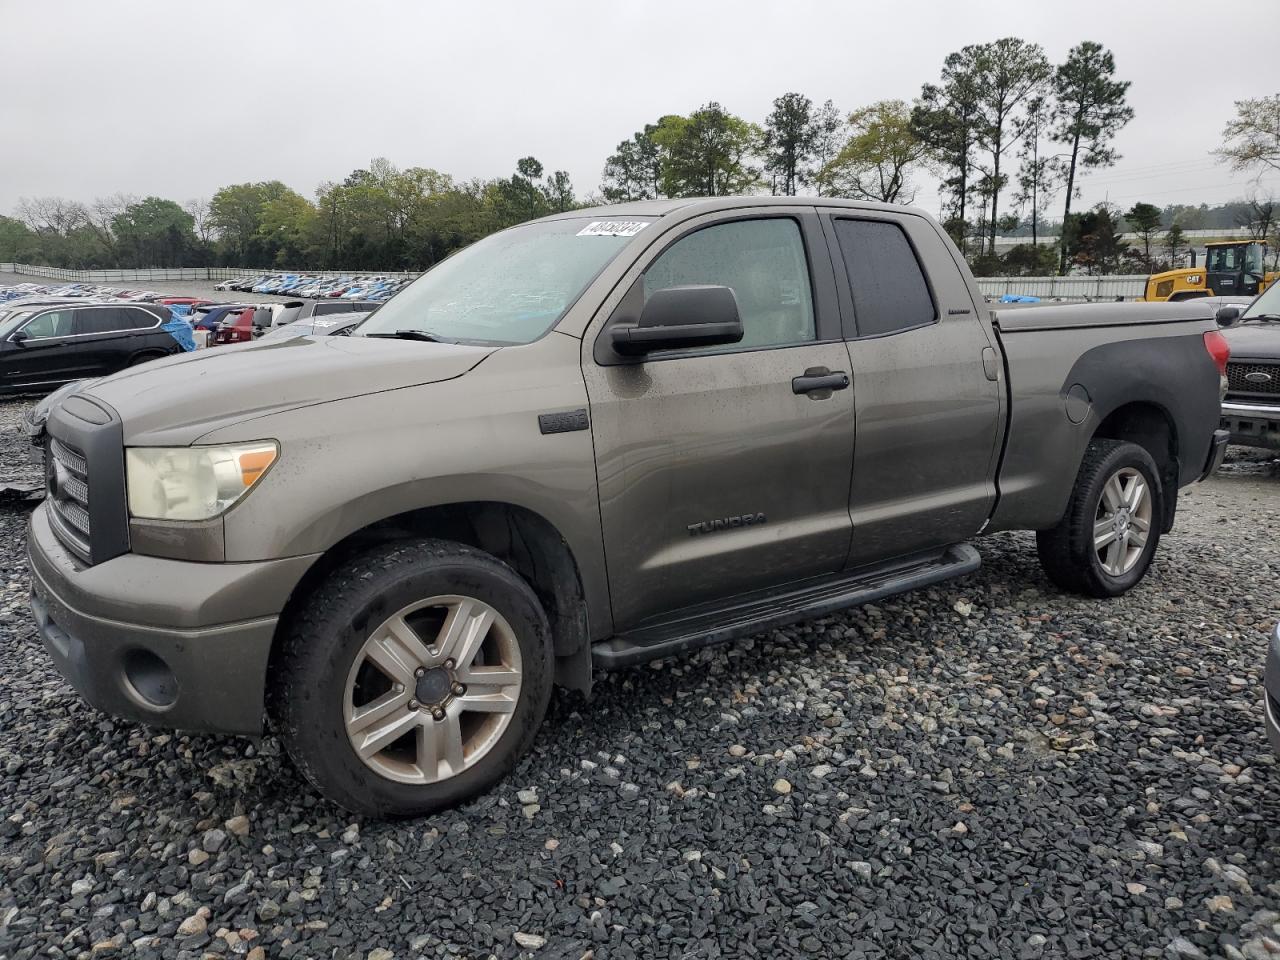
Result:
349,464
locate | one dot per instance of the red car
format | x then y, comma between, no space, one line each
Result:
184,301
242,326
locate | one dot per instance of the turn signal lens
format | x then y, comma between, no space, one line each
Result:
253,463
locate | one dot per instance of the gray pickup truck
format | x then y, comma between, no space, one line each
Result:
1251,409
585,442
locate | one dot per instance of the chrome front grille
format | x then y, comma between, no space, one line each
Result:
1257,381
67,483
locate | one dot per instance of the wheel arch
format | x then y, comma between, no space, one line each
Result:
520,537
1151,426
145,355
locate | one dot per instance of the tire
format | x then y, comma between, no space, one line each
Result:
324,678
144,358
1068,552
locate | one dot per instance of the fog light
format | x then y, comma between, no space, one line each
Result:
150,679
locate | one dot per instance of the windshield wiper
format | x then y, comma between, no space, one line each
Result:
410,335
1269,317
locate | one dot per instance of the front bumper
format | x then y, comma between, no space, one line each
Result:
167,642
1271,690
1252,424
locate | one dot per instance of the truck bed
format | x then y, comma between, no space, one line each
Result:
1073,370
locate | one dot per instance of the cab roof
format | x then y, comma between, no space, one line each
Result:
690,205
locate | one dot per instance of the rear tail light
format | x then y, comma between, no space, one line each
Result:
1218,349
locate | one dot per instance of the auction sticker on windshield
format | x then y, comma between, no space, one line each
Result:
613,228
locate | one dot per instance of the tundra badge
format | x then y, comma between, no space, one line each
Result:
726,523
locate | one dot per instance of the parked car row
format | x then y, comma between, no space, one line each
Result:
319,286
223,323
19,291
243,322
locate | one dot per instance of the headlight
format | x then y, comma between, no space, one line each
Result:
193,483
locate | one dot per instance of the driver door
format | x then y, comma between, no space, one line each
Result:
716,476
44,354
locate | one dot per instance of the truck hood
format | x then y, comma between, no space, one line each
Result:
1254,339
178,399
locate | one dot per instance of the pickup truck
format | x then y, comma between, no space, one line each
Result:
1251,408
584,442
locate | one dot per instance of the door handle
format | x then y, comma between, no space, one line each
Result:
819,378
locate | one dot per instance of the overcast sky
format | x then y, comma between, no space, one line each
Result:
177,99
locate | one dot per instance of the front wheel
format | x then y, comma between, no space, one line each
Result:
414,678
1104,543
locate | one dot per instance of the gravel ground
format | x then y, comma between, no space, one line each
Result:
988,768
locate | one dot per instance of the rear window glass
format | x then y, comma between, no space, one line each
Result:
889,289
112,320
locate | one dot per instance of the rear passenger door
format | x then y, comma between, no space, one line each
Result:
111,336
926,387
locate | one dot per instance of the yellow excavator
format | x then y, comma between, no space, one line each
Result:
1231,268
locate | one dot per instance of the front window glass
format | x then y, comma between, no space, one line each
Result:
508,288
762,261
56,323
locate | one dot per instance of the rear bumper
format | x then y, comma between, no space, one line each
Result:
1217,450
1252,424
1271,694
166,642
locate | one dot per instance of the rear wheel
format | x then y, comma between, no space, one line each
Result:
1104,544
414,678
144,357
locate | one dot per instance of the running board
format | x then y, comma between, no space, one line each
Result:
701,627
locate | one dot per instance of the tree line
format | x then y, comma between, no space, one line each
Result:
1006,132
379,218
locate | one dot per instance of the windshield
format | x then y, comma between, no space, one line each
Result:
1267,305
1253,260
509,288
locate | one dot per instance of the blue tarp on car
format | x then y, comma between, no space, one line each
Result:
180,330
1018,298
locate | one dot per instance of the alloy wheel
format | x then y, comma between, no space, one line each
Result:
432,689
1123,521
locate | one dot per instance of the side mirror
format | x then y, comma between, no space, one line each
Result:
20,337
681,317
1228,315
